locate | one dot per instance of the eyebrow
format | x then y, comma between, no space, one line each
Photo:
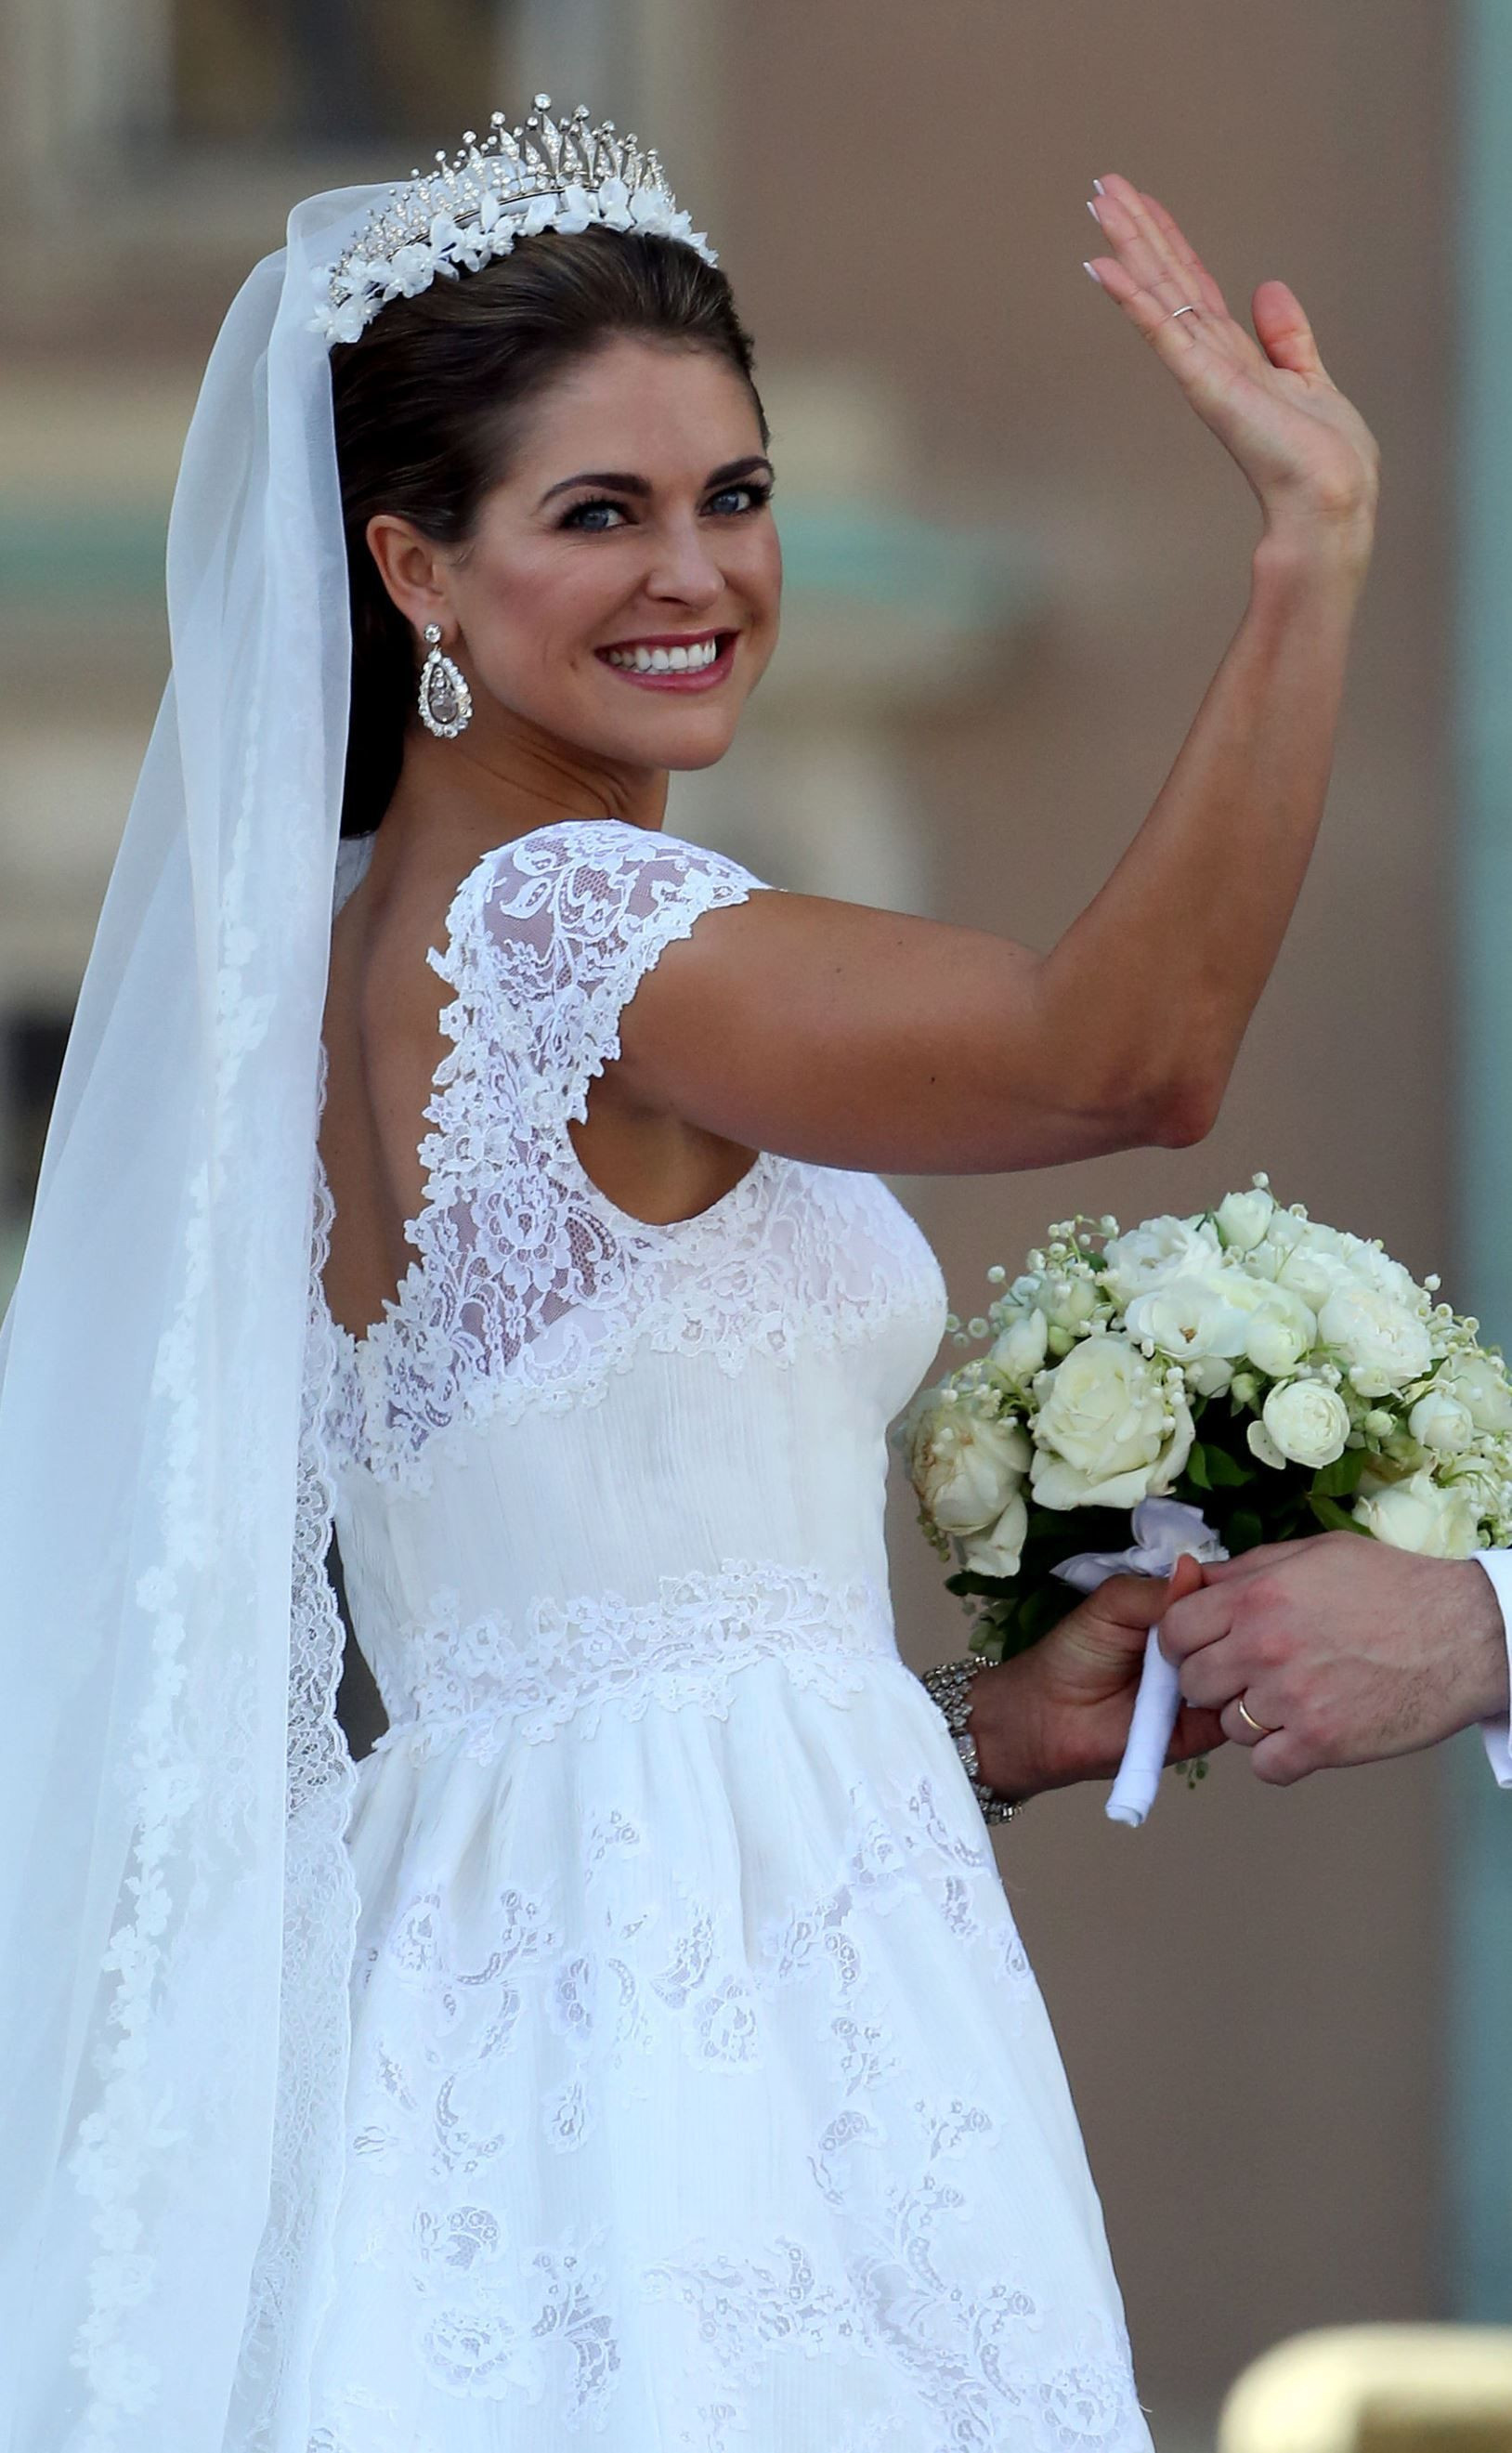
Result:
618,482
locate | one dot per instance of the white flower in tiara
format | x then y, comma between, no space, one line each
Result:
578,208
615,204
345,323
413,268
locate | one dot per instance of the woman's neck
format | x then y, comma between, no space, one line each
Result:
455,800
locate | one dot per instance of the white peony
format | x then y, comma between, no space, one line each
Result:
1109,1432
1381,1345
1308,1422
1483,1390
1019,1350
1379,1270
1244,1218
1163,1249
998,1551
1420,1515
1442,1421
1186,1316
1066,1301
965,1465
1314,1260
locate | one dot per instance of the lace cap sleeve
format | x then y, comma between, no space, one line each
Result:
575,916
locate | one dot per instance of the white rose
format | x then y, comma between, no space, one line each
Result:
1188,1317
1161,1249
1381,1343
1483,1390
1418,1515
1440,1421
1244,1218
1208,1375
966,1467
1308,1422
1282,1331
997,1553
1020,1349
1109,1433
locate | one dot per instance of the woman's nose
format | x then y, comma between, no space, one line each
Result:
684,567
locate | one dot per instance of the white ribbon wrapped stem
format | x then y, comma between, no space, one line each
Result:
1164,1530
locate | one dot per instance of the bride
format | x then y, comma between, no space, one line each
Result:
638,2042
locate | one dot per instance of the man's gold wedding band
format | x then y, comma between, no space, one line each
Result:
1249,1720
1180,310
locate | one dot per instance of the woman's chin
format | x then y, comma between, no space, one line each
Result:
682,739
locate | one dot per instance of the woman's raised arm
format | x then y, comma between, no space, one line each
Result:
835,1032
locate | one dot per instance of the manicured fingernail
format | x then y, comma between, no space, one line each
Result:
1096,215
1092,273
1098,188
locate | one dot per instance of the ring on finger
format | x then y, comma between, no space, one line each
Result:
1179,310
1250,1723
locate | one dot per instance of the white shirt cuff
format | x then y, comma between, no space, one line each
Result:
1497,1732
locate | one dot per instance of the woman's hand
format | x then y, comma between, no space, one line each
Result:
1060,1712
1308,455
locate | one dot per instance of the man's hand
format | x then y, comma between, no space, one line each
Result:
1060,1711
1341,1649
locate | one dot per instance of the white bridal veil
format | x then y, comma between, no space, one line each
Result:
175,1909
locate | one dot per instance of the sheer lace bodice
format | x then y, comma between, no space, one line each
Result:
691,2035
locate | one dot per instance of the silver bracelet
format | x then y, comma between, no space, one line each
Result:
949,1687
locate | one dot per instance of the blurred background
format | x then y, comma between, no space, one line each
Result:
1014,559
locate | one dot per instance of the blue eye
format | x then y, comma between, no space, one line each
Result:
757,496
577,516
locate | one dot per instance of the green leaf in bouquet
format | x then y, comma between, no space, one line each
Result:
1335,1519
1043,1607
1225,1472
967,1580
1244,1531
1197,1473
1341,1478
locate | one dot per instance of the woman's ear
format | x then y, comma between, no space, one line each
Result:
410,569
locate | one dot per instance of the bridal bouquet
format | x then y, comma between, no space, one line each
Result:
1244,1376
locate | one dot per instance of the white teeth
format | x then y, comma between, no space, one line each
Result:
694,659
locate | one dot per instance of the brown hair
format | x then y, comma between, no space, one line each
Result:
428,403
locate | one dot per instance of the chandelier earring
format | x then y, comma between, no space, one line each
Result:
446,701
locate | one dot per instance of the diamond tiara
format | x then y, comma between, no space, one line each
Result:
550,174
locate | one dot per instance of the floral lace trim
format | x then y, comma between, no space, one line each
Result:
530,1288
293,2273
493,1680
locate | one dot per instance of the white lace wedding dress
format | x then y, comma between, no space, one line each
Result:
700,2095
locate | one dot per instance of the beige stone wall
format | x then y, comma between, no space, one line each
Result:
1250,1993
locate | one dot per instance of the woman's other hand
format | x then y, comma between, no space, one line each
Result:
1306,451
1060,1712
